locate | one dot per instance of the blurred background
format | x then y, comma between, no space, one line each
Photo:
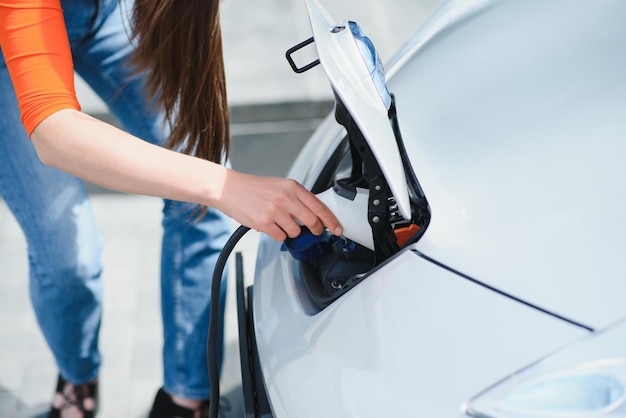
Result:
273,112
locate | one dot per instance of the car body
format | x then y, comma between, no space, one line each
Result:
508,301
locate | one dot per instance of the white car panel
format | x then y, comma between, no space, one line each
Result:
513,116
410,337
350,77
515,122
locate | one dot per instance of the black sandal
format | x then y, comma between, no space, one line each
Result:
164,407
78,398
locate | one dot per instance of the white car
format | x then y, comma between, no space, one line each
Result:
483,192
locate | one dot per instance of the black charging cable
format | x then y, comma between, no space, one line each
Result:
214,319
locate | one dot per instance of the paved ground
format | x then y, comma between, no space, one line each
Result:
273,109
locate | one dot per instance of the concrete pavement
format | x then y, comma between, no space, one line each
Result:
263,93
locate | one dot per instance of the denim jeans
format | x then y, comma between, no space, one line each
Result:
64,243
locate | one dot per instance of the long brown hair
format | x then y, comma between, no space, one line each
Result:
179,46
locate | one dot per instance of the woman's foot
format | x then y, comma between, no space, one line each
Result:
74,401
168,406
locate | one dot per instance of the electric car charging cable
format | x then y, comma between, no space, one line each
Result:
304,246
214,322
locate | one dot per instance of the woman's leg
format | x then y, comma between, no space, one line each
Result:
64,244
190,247
190,251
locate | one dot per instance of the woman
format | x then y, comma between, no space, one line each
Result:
173,68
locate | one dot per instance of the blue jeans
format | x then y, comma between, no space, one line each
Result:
64,243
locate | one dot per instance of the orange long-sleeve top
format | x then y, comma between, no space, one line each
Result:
36,49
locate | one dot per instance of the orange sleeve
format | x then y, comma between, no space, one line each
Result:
36,49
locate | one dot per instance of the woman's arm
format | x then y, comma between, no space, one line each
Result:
102,154
37,52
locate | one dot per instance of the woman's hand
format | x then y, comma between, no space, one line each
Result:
274,206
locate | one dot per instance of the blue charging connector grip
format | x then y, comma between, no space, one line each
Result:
307,246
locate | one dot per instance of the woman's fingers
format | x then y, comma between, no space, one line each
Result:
274,206
317,215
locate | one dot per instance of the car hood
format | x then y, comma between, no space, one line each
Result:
513,114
